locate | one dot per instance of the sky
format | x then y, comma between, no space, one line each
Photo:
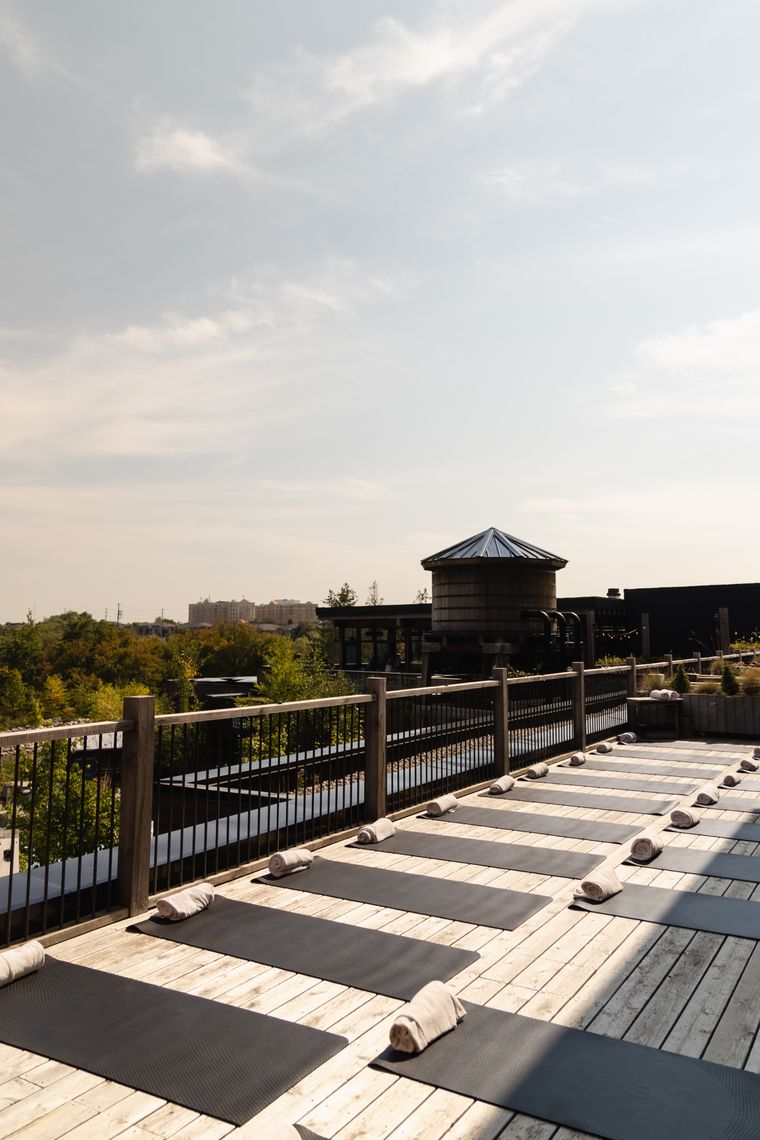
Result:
300,293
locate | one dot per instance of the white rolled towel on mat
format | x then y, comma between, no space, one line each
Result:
442,805
628,738
287,862
748,765
502,785
432,1012
600,886
756,753
708,794
655,694
376,832
577,760
646,846
732,780
605,746
20,961
186,903
536,771
684,817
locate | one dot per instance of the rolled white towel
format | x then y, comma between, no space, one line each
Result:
602,885
708,794
21,960
605,746
684,817
432,1012
748,765
502,785
656,694
756,753
376,832
628,738
442,805
646,846
536,771
673,695
732,780
186,903
577,760
287,862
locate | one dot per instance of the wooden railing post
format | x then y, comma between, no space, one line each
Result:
669,660
579,705
632,679
375,802
136,804
698,662
501,722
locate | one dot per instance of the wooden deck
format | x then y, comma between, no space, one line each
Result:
689,992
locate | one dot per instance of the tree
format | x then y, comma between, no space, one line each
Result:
422,595
18,704
728,681
345,596
373,597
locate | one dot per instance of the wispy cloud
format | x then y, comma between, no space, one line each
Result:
700,371
173,147
189,384
527,182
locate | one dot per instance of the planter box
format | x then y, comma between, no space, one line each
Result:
718,715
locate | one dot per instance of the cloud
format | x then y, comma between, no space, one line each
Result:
191,384
172,147
708,370
527,182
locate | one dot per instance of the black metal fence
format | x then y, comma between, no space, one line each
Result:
240,786
606,708
438,741
542,722
59,826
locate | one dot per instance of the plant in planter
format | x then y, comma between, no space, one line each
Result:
751,682
681,682
728,682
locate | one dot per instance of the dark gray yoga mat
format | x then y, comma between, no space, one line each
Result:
387,964
421,894
733,803
213,1058
591,780
722,829
705,746
739,917
533,792
509,856
699,772
595,830
719,864
595,1084
638,752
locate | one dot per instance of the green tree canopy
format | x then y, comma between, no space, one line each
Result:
345,596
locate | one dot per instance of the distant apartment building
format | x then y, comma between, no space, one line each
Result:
281,612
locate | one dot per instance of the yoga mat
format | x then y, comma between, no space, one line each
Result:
740,917
688,758
541,795
719,864
722,829
213,1058
610,1088
421,894
595,830
387,964
590,780
732,803
509,856
705,746
682,769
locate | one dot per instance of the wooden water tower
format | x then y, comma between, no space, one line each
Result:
494,603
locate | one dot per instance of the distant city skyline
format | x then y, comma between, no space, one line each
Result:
298,294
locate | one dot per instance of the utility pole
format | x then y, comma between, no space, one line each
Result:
118,613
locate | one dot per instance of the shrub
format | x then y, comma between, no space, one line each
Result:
728,682
707,688
610,660
681,682
751,682
650,681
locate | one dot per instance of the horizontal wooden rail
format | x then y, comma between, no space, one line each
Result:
63,732
263,710
431,690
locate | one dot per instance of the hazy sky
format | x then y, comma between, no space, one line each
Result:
300,292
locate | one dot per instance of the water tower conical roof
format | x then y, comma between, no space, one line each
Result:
494,545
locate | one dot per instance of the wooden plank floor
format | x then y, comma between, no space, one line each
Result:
689,992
